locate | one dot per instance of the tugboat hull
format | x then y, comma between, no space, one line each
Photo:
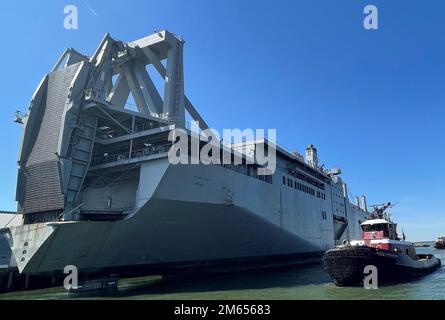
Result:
346,265
439,245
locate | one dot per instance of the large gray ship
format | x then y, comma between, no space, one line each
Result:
97,190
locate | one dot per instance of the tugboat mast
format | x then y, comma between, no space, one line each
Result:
379,210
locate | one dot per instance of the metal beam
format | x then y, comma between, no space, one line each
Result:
148,88
108,83
100,48
163,72
139,134
133,120
113,119
75,57
195,114
59,62
135,89
120,92
155,61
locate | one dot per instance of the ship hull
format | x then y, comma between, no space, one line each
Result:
188,218
346,265
163,237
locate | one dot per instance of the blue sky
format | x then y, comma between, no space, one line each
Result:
371,101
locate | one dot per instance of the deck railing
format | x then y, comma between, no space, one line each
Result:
104,158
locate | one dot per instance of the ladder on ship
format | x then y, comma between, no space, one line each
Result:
82,144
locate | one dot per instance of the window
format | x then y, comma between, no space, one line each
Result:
284,180
295,184
324,215
377,227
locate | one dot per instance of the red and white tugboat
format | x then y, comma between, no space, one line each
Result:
440,242
395,258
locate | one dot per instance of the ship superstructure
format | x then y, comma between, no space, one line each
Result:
98,191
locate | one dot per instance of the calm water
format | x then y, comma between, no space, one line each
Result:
296,283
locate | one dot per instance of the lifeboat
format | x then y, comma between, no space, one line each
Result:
394,259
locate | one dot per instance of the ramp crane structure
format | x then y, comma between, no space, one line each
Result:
82,104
